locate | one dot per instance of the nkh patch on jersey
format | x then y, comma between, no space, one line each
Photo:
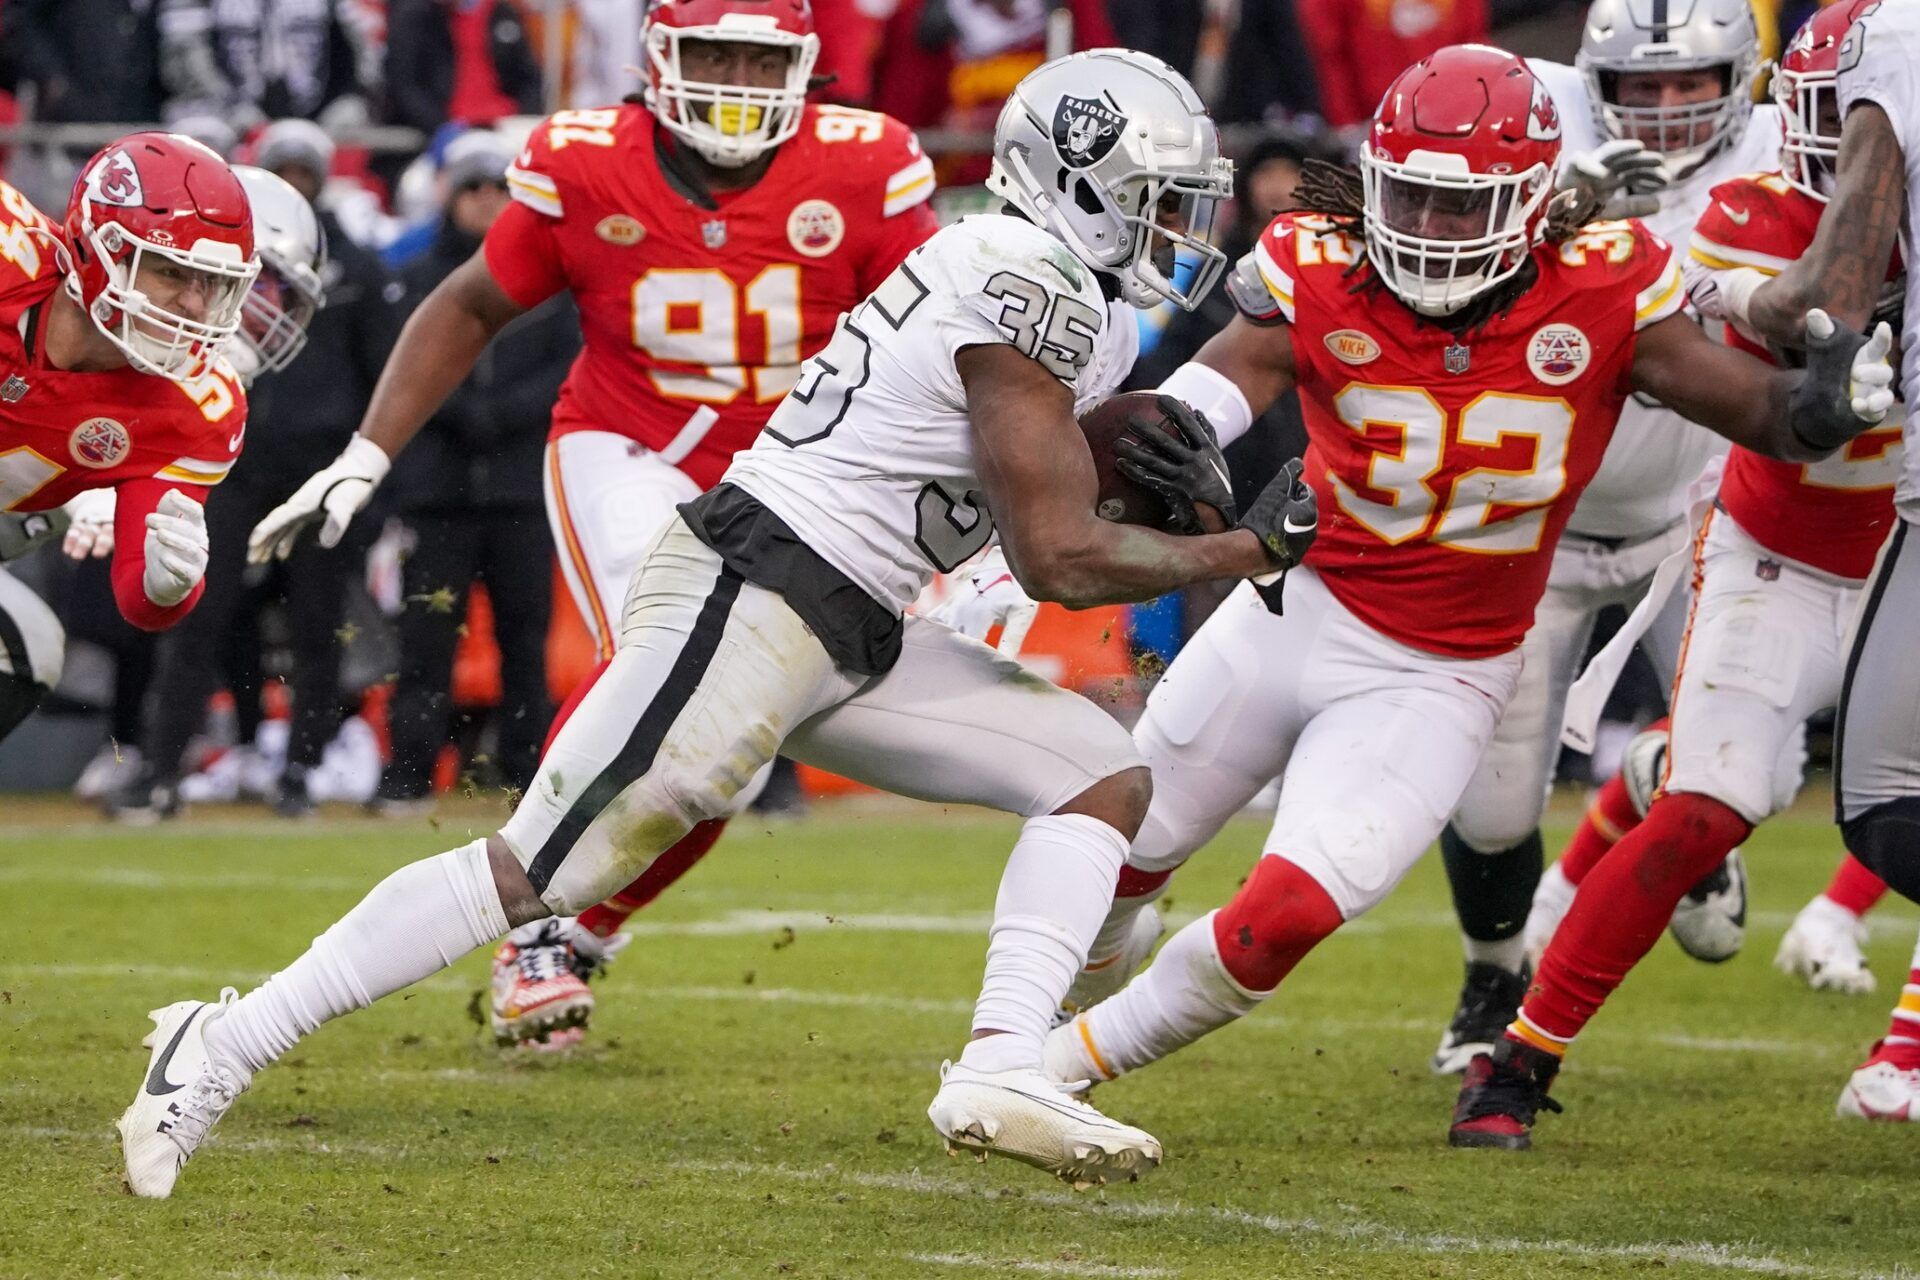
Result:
870,459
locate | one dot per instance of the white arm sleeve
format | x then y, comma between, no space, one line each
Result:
1214,396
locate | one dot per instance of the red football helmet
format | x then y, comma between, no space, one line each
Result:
729,124
159,214
1457,173
1804,86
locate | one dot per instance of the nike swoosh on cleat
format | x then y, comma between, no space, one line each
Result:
157,1082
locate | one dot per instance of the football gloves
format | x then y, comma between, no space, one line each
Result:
987,596
22,531
90,532
1617,179
176,549
332,496
1284,517
1848,386
1183,465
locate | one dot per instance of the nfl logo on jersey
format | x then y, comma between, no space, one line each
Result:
714,234
1456,357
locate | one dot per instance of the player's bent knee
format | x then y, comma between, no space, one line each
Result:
1886,838
1279,915
517,896
1120,800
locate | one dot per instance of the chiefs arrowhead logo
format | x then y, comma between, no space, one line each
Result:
1543,120
116,181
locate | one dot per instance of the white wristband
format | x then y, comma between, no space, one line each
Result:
1736,294
1214,396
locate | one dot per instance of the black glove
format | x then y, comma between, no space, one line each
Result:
1184,466
1285,516
1848,385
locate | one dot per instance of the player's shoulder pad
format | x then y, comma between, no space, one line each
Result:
869,151
212,424
561,149
1614,256
974,250
1295,251
1756,220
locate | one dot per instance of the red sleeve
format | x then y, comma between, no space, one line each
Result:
523,254
896,237
135,500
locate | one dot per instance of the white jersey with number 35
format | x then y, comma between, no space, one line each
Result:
870,457
1878,64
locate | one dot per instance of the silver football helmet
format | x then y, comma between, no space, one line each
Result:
1626,36
288,291
1113,152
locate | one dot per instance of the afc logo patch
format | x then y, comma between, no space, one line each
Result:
815,228
1558,353
1084,131
99,443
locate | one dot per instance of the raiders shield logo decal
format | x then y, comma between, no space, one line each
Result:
1084,131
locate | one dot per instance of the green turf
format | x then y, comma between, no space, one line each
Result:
753,1099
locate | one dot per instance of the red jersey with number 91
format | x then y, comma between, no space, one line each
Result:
1446,469
65,431
697,315
1832,514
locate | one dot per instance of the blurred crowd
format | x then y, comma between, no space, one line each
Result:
384,669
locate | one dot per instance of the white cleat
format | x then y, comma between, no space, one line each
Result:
1824,947
1881,1090
1710,923
183,1097
1552,899
1103,978
1024,1115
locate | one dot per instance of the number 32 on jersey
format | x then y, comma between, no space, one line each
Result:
1487,509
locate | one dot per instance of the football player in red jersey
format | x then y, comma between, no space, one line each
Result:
1462,359
712,231
111,376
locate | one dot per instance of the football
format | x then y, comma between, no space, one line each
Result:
1105,425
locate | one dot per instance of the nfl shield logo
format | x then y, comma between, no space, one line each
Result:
1456,357
1767,570
714,233
13,389
1085,130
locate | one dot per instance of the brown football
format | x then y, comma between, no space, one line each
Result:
1105,425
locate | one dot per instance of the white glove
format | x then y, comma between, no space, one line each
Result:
334,494
1870,385
91,533
1622,178
987,595
176,549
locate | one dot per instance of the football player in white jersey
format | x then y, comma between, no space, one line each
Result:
767,616
1877,760
1678,80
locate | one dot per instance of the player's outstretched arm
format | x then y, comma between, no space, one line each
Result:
1843,271
1798,416
1041,487
1256,358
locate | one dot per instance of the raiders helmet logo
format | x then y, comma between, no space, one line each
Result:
1084,131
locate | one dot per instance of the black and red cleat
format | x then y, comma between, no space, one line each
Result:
1500,1096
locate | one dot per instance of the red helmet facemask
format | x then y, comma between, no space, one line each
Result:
730,125
160,250
1806,88
1457,172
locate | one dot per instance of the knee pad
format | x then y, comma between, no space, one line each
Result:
18,698
1279,915
1492,892
1643,765
1886,838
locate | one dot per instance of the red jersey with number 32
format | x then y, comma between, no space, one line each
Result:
696,317
1833,514
1446,469
64,432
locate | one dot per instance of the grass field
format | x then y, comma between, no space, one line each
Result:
753,1100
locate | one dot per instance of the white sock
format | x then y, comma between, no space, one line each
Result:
415,923
1118,926
1185,993
1055,892
1508,953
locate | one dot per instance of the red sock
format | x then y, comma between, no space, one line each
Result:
1854,887
1138,884
1609,817
1619,912
1279,915
568,707
604,919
